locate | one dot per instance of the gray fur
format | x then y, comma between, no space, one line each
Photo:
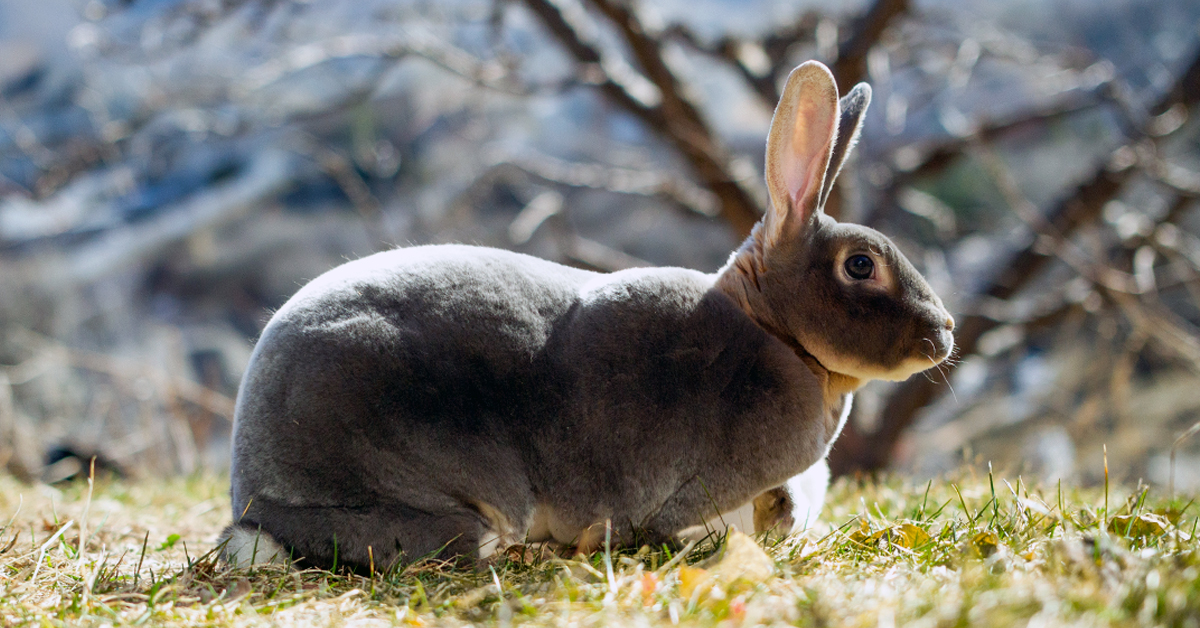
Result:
428,400
853,106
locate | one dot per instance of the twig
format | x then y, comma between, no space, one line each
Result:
1190,432
267,175
938,156
759,62
192,392
183,388
597,256
673,118
406,43
614,179
851,64
42,550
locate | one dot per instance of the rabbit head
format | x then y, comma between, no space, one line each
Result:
841,293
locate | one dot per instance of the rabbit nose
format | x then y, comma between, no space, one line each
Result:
949,323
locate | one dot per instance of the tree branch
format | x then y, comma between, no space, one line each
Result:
673,119
851,64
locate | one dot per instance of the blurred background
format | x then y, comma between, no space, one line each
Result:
171,170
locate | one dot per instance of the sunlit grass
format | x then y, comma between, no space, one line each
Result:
972,549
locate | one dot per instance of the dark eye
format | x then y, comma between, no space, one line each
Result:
860,267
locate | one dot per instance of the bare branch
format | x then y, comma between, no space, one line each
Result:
914,163
622,180
265,176
759,63
407,43
851,64
586,52
673,119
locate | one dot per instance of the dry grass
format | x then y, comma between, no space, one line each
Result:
968,550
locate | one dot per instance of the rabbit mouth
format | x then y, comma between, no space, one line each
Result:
865,370
929,353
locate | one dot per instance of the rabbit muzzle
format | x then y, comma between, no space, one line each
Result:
942,340
931,347
929,344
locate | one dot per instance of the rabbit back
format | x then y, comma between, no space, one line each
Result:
392,366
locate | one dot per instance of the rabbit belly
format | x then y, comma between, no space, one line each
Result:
741,518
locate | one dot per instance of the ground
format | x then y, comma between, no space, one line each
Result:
969,549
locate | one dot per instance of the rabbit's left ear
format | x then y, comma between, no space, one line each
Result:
853,107
799,149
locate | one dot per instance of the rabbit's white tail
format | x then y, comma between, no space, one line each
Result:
248,545
808,495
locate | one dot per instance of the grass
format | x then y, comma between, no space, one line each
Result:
972,549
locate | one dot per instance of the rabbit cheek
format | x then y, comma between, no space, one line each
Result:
842,361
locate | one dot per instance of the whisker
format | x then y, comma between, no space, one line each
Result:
940,369
929,357
946,378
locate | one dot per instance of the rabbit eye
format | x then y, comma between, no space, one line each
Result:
860,267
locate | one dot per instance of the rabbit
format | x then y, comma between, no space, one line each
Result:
453,400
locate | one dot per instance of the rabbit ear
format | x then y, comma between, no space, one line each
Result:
799,148
853,107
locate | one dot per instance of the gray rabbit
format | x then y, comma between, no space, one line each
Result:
453,400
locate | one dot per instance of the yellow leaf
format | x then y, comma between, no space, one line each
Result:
690,578
863,533
1139,527
984,544
743,559
909,535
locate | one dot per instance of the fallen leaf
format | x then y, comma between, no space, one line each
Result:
689,579
863,534
984,544
743,559
909,536
1142,526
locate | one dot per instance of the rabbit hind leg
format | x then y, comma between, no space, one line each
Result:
366,538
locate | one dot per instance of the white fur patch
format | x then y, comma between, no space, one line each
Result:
546,525
741,519
245,547
808,495
500,535
807,491
489,544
